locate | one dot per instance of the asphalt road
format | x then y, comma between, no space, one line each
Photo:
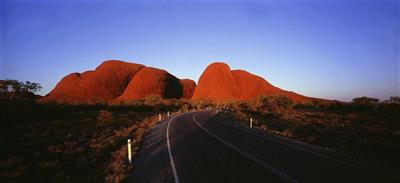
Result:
200,147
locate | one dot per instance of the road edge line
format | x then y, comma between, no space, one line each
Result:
254,159
301,148
171,159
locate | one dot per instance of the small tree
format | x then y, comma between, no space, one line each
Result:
395,100
365,100
14,88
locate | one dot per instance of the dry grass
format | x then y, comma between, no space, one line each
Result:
368,131
70,144
74,143
118,167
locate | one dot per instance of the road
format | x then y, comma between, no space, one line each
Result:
200,147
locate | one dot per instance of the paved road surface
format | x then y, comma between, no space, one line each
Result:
200,147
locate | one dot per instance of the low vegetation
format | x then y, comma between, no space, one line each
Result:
71,143
55,143
364,128
87,143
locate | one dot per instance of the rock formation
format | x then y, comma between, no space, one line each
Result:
105,83
188,87
219,83
152,81
116,80
216,82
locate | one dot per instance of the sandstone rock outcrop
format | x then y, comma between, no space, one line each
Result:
116,80
188,87
152,81
219,83
216,82
105,83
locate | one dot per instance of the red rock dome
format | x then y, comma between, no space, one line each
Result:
188,87
216,83
152,81
118,80
219,83
103,84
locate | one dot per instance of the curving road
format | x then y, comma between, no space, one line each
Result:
200,147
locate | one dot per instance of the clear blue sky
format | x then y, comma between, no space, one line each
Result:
329,50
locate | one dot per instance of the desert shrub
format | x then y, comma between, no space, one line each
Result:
268,104
330,105
365,100
172,104
118,168
392,100
240,105
202,103
303,105
134,102
104,117
169,102
264,127
184,107
284,102
287,133
153,101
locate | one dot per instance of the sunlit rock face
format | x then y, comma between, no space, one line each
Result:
219,83
115,80
152,81
216,83
105,83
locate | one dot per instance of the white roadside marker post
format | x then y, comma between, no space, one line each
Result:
251,122
179,111
129,151
159,117
168,113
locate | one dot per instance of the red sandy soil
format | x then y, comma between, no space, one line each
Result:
188,87
219,83
152,81
105,83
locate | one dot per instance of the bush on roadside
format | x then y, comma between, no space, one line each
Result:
267,104
154,101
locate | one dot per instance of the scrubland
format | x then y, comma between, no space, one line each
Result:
363,128
87,143
74,143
